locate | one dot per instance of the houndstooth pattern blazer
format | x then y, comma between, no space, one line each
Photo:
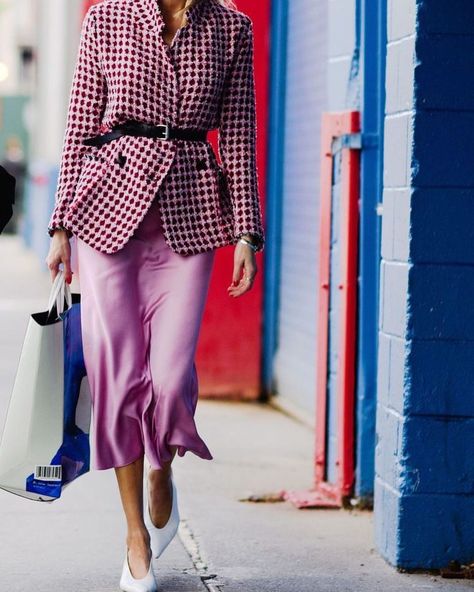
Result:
205,79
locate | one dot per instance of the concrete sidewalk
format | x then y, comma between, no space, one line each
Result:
77,543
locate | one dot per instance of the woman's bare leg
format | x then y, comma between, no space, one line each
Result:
130,482
160,497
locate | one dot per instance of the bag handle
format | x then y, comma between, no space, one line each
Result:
59,290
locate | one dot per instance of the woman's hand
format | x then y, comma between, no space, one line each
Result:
60,252
244,260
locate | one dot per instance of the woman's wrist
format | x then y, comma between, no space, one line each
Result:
53,229
249,241
249,236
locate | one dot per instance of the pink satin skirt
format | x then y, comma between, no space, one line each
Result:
141,311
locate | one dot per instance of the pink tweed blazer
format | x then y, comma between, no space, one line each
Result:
205,79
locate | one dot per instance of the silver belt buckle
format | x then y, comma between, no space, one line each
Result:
166,131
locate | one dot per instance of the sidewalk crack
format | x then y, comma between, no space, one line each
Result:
191,545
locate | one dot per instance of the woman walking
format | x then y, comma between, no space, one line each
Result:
146,202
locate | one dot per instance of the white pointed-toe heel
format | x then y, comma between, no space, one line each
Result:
160,538
130,584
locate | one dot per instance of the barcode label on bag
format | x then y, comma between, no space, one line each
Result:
48,472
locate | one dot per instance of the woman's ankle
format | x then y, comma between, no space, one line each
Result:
160,475
138,535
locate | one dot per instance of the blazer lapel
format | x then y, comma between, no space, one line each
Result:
148,13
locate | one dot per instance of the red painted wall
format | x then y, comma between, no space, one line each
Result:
229,348
88,3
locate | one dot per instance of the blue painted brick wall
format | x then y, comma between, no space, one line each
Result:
424,499
443,236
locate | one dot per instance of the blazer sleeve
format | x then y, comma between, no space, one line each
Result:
237,139
86,105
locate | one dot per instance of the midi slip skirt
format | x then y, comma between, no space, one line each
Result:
141,311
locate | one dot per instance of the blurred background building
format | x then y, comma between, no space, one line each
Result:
37,51
361,322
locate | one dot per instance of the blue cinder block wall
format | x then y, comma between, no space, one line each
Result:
424,491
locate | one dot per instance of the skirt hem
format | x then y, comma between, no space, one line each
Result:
205,455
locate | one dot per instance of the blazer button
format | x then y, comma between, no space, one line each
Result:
201,164
121,159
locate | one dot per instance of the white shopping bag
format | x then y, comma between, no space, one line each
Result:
45,439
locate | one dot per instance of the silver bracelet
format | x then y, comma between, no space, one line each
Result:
250,244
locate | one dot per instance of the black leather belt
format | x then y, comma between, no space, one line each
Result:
138,128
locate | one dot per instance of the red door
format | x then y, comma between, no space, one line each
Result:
229,350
